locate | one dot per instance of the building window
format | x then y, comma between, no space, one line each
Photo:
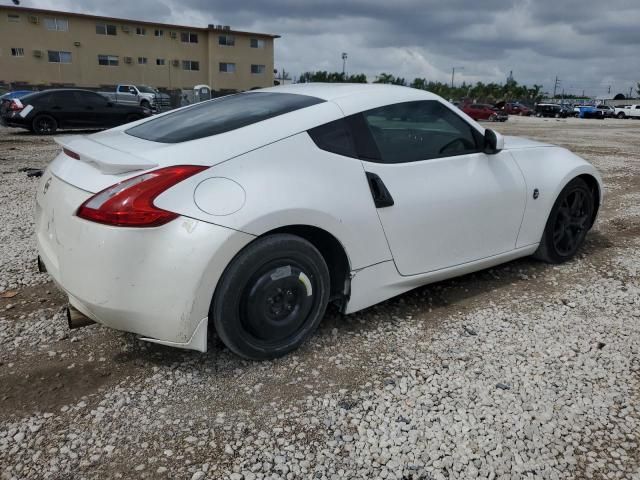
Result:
142,60
160,61
158,33
190,65
59,57
188,37
257,43
141,31
227,40
13,17
56,24
104,29
257,69
228,67
108,60
17,52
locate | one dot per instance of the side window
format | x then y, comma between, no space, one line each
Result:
63,99
334,137
123,89
93,99
414,131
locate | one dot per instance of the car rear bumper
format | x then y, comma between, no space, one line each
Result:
155,282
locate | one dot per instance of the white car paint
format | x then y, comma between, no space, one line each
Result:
451,215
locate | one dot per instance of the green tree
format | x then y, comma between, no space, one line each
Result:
331,77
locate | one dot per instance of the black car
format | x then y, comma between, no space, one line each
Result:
550,110
49,110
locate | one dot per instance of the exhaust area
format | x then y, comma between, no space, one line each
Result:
77,319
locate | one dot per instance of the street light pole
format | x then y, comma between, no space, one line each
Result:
453,74
344,62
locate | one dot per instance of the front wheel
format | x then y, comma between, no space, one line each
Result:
568,223
621,115
271,297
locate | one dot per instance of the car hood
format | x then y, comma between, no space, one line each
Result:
513,143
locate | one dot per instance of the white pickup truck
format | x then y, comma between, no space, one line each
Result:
142,95
632,111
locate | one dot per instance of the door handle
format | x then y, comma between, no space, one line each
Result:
381,196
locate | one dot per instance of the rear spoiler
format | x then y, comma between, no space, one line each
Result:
106,159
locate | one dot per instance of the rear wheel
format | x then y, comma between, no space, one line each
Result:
44,125
621,115
568,223
271,297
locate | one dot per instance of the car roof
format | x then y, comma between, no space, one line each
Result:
333,91
355,97
52,90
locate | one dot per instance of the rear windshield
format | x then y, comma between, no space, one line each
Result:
220,115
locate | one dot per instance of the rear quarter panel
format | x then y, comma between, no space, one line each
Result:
290,182
548,169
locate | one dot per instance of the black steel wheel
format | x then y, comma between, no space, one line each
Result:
570,219
44,125
271,297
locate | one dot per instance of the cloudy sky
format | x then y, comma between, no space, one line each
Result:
590,45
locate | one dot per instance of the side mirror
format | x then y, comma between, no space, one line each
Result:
493,142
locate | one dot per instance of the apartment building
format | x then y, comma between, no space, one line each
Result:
45,47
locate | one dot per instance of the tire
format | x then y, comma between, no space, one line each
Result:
568,223
274,275
145,104
621,115
44,125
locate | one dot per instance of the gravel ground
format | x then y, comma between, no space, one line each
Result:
522,371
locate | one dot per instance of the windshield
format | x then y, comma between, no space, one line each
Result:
219,116
146,89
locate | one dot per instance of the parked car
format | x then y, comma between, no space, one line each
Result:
609,112
49,110
142,95
5,99
194,198
550,110
589,111
516,109
631,111
481,111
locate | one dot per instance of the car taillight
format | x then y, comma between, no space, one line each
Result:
16,105
130,203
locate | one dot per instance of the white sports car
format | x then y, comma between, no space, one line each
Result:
247,214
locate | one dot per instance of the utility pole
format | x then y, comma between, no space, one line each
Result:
344,61
630,92
556,84
453,74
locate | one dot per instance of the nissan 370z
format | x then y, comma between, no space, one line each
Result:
249,213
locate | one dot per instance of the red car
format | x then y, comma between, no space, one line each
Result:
516,109
481,111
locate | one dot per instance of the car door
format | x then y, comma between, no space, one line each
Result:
127,95
96,110
444,201
64,107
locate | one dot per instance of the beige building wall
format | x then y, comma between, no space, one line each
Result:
29,32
